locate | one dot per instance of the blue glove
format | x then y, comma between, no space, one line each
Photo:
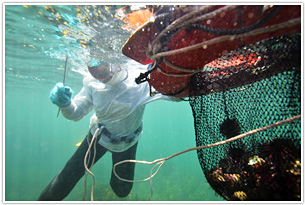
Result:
61,95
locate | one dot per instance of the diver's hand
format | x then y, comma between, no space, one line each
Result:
61,95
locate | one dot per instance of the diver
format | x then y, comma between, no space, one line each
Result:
119,105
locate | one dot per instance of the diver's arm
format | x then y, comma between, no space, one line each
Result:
170,98
160,96
80,106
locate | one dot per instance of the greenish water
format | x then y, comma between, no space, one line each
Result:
38,144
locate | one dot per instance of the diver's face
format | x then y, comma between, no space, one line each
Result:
106,79
107,73
114,72
102,73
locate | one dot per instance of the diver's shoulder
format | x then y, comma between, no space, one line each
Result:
91,82
88,79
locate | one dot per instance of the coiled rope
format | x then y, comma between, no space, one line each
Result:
154,49
275,27
185,21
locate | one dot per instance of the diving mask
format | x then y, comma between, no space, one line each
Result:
108,73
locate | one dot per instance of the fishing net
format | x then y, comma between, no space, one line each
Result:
248,88
240,67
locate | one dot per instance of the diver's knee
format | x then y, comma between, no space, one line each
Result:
121,190
49,196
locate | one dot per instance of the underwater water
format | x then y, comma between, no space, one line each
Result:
38,144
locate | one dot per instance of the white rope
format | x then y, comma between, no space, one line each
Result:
275,27
86,163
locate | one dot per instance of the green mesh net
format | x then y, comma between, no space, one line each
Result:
232,98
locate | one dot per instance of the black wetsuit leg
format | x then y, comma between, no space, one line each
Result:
73,171
126,171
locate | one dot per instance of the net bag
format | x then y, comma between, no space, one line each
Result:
240,67
248,88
